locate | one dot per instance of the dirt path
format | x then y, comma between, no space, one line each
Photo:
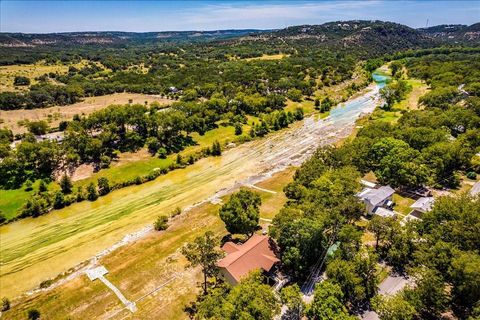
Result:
34,250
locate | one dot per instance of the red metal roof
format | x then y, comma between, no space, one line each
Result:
256,253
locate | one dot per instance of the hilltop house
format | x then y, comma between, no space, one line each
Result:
259,252
375,198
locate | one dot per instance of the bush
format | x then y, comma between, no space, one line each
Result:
92,193
161,223
176,212
33,314
103,186
59,201
66,184
471,175
45,284
28,185
21,81
162,153
37,127
5,304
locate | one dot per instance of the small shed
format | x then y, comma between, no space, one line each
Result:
423,204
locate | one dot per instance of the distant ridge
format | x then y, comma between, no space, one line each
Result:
351,33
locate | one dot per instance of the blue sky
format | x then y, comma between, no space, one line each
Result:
62,16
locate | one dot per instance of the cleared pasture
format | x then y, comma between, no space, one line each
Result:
143,266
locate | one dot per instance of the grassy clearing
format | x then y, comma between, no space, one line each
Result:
268,57
54,115
419,88
32,71
402,204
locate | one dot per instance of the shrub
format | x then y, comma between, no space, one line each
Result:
103,186
21,81
176,212
161,223
66,184
59,201
5,304
471,175
33,314
92,193
162,153
45,284
28,185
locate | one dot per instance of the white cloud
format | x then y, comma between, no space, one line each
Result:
268,15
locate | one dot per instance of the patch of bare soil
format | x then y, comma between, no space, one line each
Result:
82,172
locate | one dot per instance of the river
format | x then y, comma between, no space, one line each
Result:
34,250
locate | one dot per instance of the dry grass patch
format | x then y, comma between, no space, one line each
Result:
137,270
269,57
31,71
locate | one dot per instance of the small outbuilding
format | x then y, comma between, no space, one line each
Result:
423,204
259,252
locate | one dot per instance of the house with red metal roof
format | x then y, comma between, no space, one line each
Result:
258,252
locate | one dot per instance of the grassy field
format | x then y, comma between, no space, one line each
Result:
268,57
419,88
143,266
32,71
128,167
34,250
54,115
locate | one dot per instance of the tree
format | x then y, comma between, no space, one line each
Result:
153,144
162,153
252,299
249,299
216,149
42,187
203,252
238,128
66,184
393,307
428,296
161,223
292,298
103,186
92,193
327,303
465,275
294,94
397,164
242,212
37,127
59,200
